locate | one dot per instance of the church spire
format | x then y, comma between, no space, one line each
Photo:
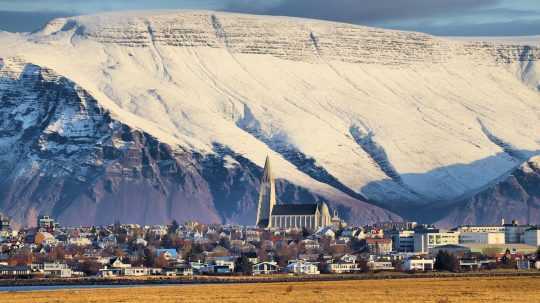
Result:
268,176
267,196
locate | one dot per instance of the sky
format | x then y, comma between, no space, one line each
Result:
439,17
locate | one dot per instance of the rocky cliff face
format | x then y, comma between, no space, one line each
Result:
62,154
284,38
515,197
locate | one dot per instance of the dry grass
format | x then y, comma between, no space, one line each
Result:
503,289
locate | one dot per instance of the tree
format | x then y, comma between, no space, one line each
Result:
305,233
22,258
161,261
119,253
57,254
90,268
149,257
446,262
363,264
244,266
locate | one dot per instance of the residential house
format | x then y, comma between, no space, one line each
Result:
302,267
346,264
354,233
326,232
134,271
379,246
57,270
115,267
79,241
219,265
418,264
265,268
380,265
168,253
310,244
474,264
15,271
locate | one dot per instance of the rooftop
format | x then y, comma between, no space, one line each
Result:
294,209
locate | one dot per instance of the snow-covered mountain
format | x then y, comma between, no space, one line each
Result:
404,120
516,197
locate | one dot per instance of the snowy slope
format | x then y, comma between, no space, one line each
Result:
401,118
517,196
63,154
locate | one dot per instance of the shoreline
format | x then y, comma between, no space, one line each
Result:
67,283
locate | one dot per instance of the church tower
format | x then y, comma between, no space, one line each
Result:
267,196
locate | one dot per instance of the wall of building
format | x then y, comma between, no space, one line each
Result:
532,237
482,238
426,241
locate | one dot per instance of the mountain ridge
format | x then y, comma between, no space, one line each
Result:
340,108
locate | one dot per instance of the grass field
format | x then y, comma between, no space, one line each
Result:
501,289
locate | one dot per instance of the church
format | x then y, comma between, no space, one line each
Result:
273,215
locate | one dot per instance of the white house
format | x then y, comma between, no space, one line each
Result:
218,266
349,258
380,265
142,242
326,231
301,267
118,268
418,264
134,271
343,267
265,268
53,269
79,241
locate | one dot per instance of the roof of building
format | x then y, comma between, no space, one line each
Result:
294,209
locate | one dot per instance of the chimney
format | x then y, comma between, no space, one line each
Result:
502,221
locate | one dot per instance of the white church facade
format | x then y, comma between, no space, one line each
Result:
270,214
